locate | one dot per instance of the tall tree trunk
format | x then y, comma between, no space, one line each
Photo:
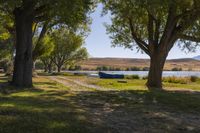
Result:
59,68
22,75
155,73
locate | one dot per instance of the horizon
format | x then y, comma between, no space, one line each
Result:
137,58
99,44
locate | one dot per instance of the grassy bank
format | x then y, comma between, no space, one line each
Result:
54,108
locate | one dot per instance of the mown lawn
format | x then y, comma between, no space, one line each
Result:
50,107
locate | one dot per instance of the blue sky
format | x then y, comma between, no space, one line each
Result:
99,44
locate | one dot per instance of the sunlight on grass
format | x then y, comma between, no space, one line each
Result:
52,107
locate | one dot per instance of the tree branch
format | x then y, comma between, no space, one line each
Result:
140,43
150,28
190,38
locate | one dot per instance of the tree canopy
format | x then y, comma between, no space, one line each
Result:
153,26
26,14
67,48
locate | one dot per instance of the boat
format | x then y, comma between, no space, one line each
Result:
110,76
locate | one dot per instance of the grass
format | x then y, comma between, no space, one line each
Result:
45,108
138,84
50,107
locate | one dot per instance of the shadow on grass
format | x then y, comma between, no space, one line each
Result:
59,111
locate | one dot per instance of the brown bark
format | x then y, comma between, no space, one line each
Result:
59,69
22,75
155,73
50,66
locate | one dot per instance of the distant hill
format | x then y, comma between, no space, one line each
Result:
123,63
197,57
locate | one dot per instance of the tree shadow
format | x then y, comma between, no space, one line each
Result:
35,110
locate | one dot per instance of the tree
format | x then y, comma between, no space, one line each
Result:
6,44
45,50
67,48
153,26
26,13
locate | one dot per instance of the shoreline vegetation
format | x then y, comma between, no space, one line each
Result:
187,64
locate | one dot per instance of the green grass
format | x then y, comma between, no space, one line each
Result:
45,108
138,84
50,107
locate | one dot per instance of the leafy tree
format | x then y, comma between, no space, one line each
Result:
45,49
67,48
6,44
28,12
154,26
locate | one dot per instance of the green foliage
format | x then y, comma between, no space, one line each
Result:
145,69
179,80
46,47
108,68
133,69
132,77
75,68
39,65
194,78
176,69
145,22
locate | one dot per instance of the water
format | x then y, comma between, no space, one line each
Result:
144,73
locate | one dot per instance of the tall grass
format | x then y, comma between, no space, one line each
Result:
180,80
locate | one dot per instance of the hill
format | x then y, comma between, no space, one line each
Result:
197,57
123,63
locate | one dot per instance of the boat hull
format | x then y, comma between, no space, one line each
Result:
110,76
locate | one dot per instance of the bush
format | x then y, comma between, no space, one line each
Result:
193,78
133,69
102,68
132,77
75,68
179,80
145,69
107,68
145,77
176,69
39,65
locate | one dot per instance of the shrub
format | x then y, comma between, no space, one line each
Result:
176,69
145,69
107,68
132,77
39,65
193,78
75,68
102,68
145,77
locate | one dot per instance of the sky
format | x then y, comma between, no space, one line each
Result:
99,44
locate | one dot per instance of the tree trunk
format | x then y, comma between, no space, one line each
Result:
50,67
22,76
155,73
45,68
59,69
34,63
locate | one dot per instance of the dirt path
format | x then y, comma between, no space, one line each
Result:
77,85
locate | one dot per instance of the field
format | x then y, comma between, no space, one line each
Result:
185,64
78,104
